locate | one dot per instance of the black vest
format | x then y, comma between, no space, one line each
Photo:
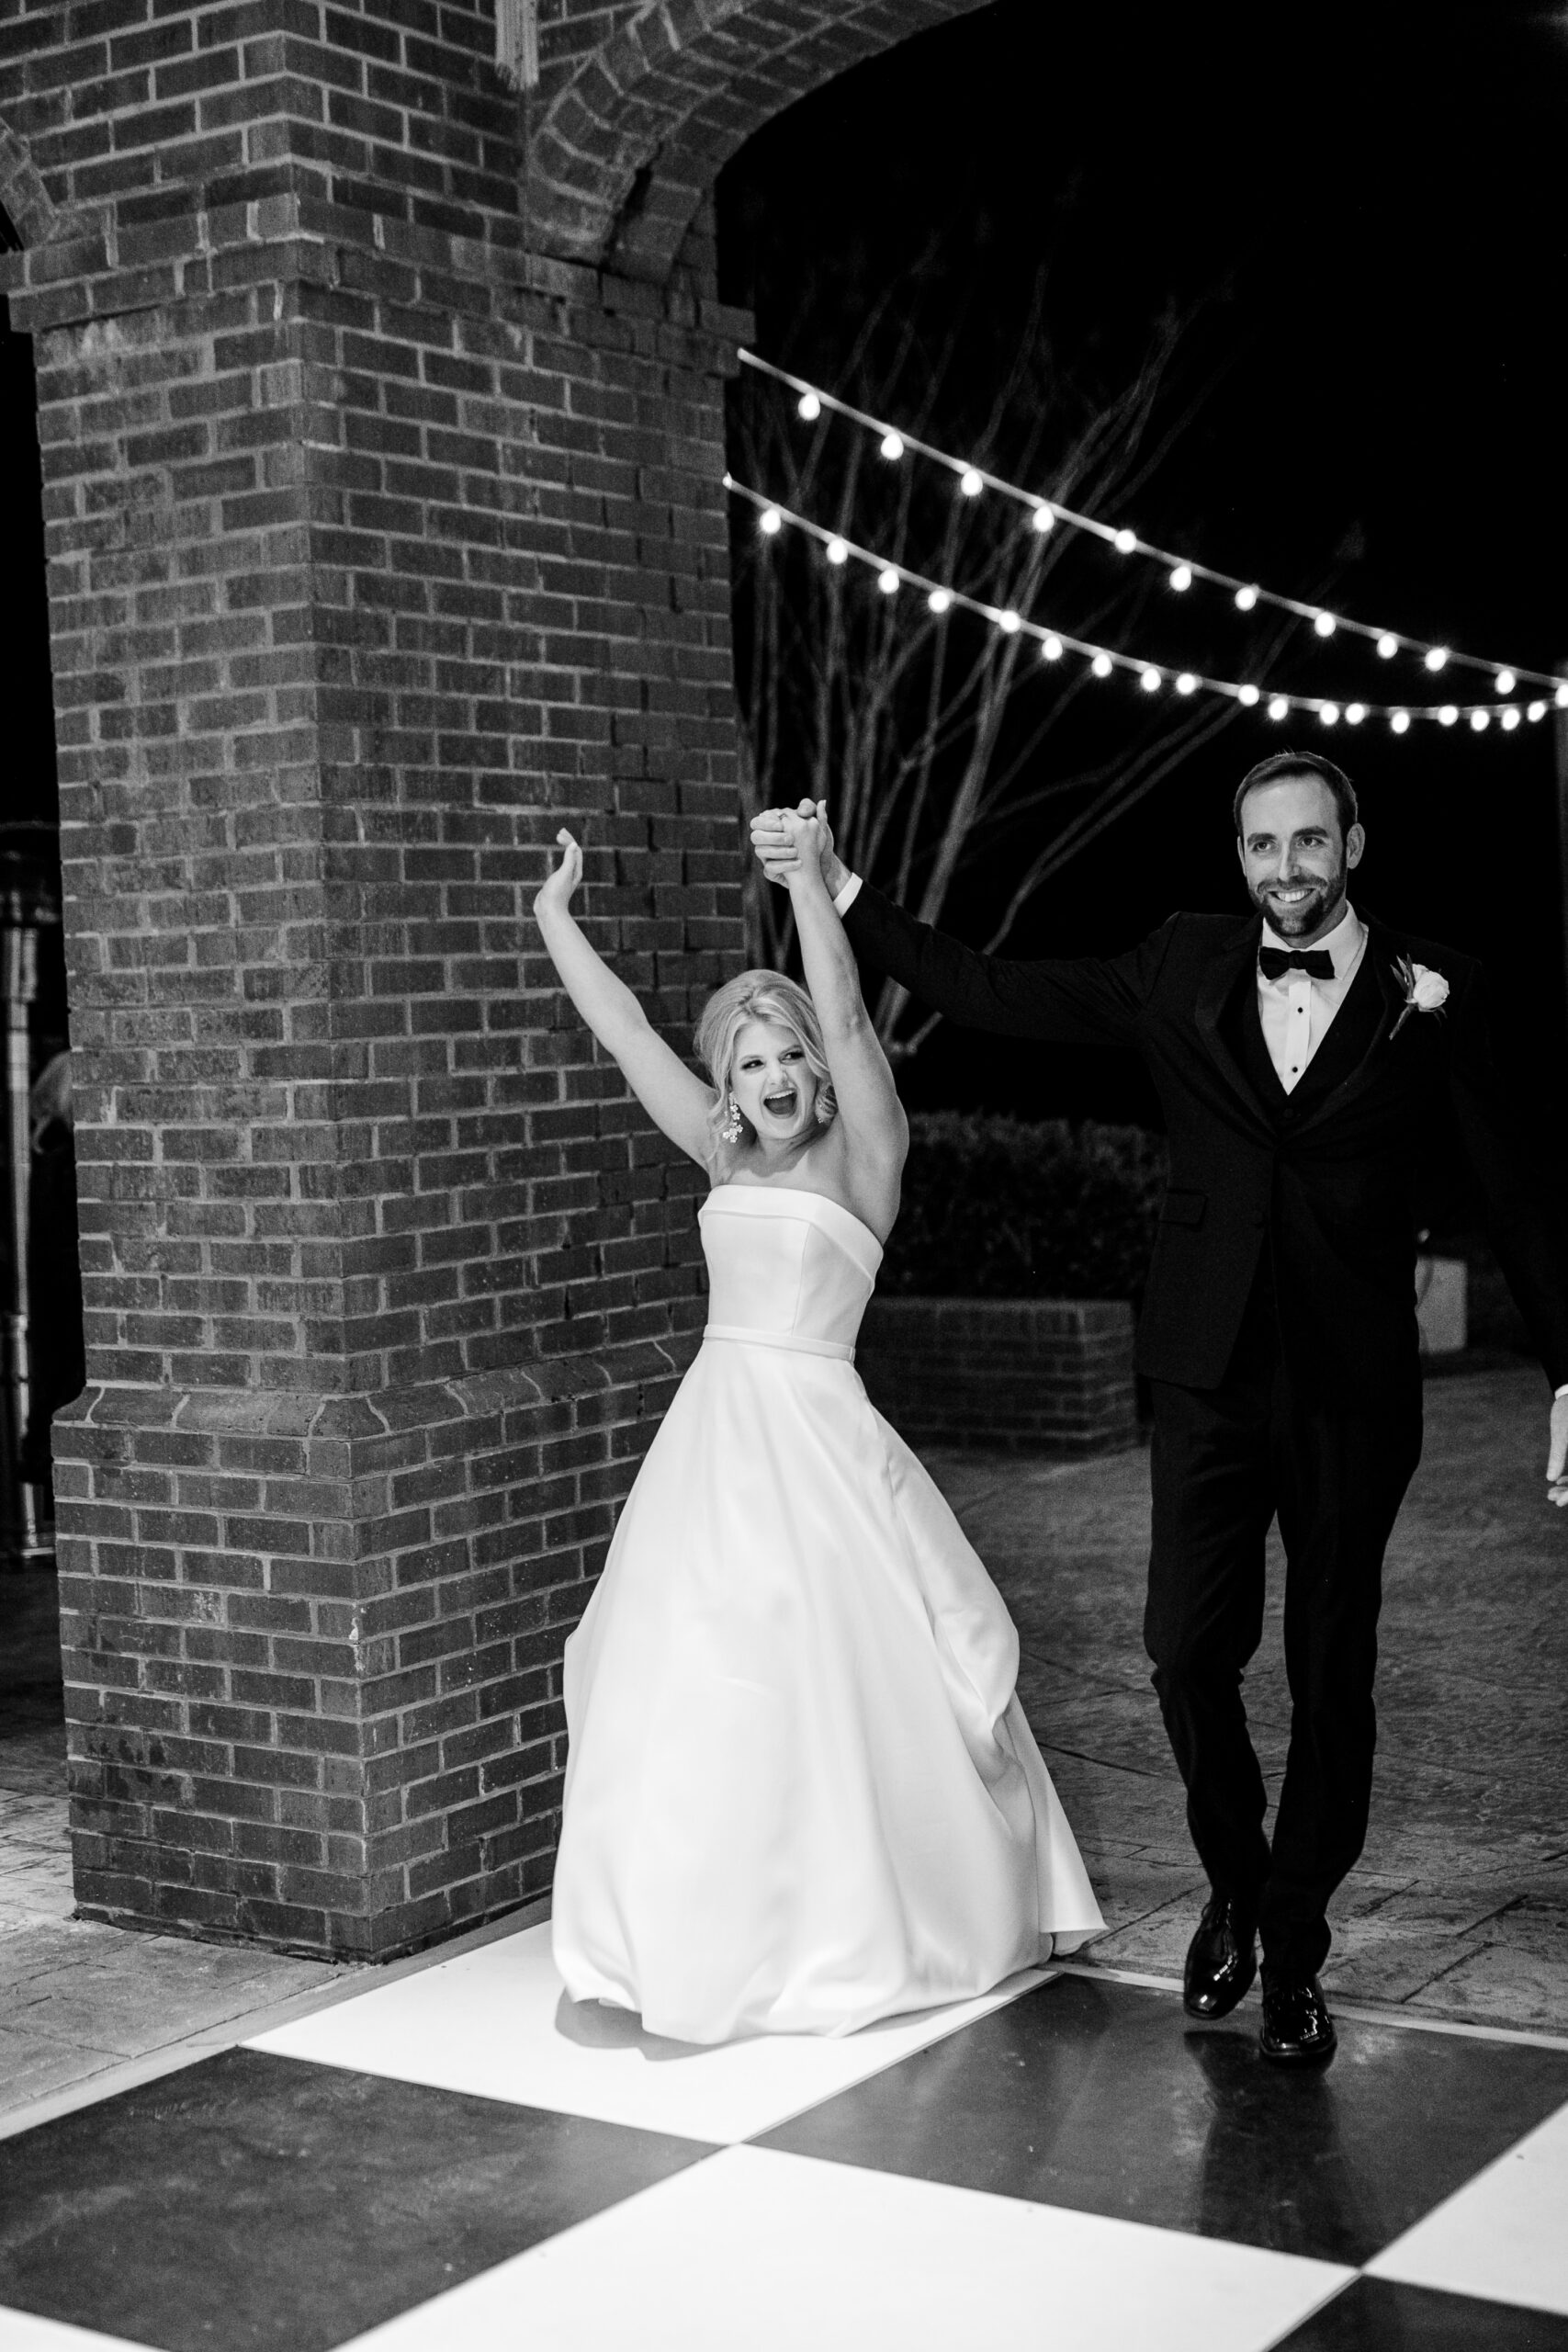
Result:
1351,1034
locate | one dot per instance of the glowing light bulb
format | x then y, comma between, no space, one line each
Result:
1008,623
969,482
1480,720
1560,697
810,407
1354,713
1043,518
1052,650
1248,695
1435,656
1536,712
1447,716
1399,722
893,445
1101,665
1245,598
772,522
1325,624
1150,681
1181,578
1510,720
1125,541
1329,713
1506,682
939,600
1187,684
1279,707
888,581
1388,646
838,551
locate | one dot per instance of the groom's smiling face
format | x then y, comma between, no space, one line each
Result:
1296,860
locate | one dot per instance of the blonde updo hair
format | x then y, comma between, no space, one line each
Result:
760,996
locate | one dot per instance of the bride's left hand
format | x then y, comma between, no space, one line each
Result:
806,837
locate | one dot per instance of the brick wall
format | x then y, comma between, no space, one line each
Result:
1051,1374
382,543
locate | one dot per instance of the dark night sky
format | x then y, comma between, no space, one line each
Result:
1375,196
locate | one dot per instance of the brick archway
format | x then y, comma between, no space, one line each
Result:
634,137
383,431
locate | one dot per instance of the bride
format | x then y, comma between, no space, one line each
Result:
800,1791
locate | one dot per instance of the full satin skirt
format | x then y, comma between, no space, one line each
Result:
801,1793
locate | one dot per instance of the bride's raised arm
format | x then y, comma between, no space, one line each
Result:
876,1132
674,1098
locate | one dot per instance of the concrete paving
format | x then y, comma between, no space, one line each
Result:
1460,1906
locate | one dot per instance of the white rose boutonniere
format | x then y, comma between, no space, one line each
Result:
1425,991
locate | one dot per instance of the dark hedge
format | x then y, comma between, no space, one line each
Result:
1001,1208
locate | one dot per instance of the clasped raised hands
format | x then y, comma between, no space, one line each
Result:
790,844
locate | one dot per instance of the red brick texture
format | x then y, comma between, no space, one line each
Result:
1048,1375
382,541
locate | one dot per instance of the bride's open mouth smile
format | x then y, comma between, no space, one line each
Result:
783,1105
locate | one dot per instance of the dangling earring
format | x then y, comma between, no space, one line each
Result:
730,1131
824,1110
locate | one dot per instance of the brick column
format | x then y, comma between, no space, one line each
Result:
375,556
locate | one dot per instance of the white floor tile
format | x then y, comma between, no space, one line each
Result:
1504,2235
777,2252
22,2332
496,2021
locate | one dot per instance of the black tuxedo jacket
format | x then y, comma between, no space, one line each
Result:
1326,1178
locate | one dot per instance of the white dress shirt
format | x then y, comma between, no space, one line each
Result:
1295,1010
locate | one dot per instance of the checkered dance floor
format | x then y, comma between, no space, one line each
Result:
460,2158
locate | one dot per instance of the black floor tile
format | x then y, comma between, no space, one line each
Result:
1375,2315
257,2201
1098,2095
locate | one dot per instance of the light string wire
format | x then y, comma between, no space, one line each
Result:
1103,659
1182,569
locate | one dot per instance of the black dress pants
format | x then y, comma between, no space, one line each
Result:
1225,1460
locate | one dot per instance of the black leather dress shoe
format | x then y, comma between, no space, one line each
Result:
1297,2028
1220,1960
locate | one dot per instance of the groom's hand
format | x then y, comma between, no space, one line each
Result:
774,843
1557,1459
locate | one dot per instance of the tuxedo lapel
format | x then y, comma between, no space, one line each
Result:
1350,1054
1224,977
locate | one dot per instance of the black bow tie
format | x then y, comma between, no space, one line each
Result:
1315,962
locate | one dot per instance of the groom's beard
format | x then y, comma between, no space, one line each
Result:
1325,895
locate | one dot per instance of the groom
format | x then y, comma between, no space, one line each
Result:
1302,1055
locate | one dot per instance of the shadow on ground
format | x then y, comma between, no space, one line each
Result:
1460,1906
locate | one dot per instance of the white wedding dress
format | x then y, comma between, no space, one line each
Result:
800,1793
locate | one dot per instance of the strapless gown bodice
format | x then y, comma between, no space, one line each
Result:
786,1268
801,1793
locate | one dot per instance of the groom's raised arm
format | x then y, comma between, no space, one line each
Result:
1077,1001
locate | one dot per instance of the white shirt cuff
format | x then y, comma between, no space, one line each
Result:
846,896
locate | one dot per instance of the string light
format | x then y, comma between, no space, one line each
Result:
812,399
1560,697
1181,578
1104,661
